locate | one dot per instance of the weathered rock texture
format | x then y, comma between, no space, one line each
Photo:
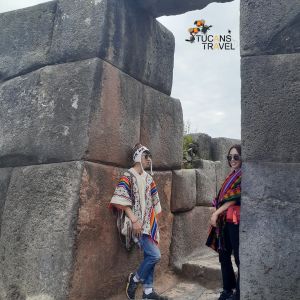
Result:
203,145
173,7
270,140
189,234
5,175
69,111
38,231
183,190
270,235
207,185
63,31
274,29
264,139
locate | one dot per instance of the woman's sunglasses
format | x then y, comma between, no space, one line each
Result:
233,157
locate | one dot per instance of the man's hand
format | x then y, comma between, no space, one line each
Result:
137,228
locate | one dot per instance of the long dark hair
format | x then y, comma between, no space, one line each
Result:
238,149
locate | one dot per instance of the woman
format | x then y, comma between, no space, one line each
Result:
224,232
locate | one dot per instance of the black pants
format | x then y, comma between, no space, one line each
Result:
231,245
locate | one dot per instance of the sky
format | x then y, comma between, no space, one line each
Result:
207,82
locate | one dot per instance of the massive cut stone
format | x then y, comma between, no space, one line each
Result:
85,110
271,108
102,263
269,233
45,114
189,234
25,39
274,29
174,7
5,175
203,145
114,30
161,129
206,183
183,190
38,230
118,32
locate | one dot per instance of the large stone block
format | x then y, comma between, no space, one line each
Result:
189,234
183,190
38,231
85,110
25,39
45,114
203,145
160,8
161,129
206,183
116,31
269,232
5,175
271,108
275,27
102,263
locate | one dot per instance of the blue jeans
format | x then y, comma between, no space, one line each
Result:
145,272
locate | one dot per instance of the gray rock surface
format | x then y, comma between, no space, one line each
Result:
25,39
206,183
45,114
271,108
174,7
38,231
183,190
189,234
5,174
70,111
269,232
203,142
114,30
161,129
270,27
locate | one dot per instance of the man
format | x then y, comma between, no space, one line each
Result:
137,195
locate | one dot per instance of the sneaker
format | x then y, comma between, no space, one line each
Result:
154,296
131,287
225,295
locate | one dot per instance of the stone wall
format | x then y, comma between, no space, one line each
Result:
81,83
270,64
192,193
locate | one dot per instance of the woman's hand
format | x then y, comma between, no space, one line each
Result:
137,228
213,219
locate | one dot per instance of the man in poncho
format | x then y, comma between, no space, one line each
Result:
137,196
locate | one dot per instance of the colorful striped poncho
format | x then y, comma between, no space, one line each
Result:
144,203
230,191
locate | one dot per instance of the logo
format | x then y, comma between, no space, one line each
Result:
199,35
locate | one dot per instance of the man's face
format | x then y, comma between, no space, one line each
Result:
146,160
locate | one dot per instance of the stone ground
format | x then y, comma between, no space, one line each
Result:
177,287
198,279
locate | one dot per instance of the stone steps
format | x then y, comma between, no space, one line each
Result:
204,269
191,291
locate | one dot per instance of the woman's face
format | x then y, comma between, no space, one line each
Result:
234,159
